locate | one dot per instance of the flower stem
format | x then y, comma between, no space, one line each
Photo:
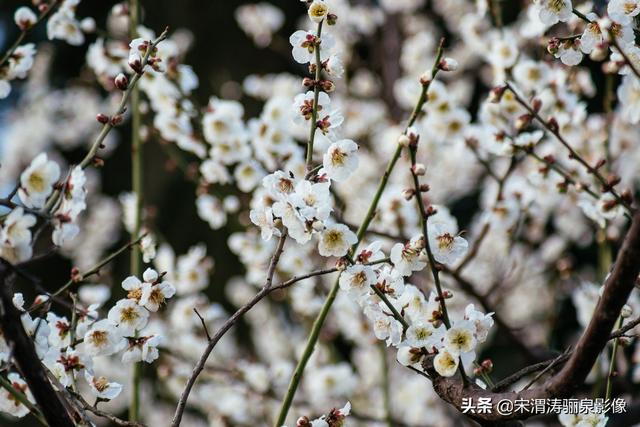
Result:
386,390
612,364
137,187
316,96
319,322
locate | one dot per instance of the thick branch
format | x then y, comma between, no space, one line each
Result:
25,356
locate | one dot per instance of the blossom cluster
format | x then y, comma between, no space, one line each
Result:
69,348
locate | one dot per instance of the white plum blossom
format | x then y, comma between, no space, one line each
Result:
317,11
142,349
263,218
158,291
424,334
460,338
356,279
445,363
552,11
446,245
583,420
482,322
623,11
103,338
63,25
335,240
304,46
210,209
16,229
340,160
24,18
407,258
101,388
601,210
260,21
385,327
36,182
8,403
591,37
128,316
629,96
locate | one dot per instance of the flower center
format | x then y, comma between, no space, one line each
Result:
445,241
36,182
98,338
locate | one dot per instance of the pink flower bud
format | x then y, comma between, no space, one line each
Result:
102,118
121,81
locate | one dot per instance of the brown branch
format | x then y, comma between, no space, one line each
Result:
95,411
25,356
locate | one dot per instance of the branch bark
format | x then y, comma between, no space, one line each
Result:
25,356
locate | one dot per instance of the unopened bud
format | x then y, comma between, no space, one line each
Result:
342,263
613,180
562,187
553,46
117,119
553,125
303,422
600,163
332,18
327,85
536,104
424,188
88,25
121,81
523,121
495,95
404,140
610,67
308,82
600,52
419,169
102,118
487,365
98,162
448,64
25,18
408,193
136,65
75,275
426,78
431,211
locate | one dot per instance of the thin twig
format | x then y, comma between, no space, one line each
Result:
92,271
606,187
103,414
106,128
266,289
204,324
